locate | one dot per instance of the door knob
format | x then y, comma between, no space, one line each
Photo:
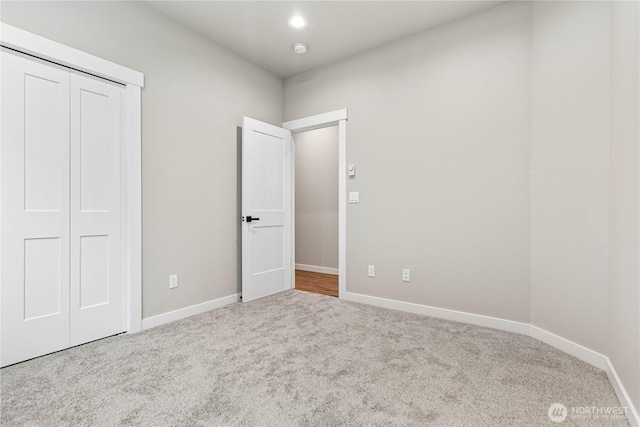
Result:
250,219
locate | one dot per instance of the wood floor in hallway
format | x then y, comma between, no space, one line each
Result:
318,283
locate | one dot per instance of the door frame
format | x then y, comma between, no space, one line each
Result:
332,118
131,146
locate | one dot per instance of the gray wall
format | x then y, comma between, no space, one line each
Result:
317,197
570,170
585,259
624,331
439,127
498,159
195,96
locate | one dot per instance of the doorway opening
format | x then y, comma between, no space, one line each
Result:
316,210
337,122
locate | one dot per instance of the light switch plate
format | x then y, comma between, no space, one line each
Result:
354,197
352,170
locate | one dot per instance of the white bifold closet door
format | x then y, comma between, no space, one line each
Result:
34,209
60,212
96,291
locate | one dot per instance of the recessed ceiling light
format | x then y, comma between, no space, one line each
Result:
297,22
300,48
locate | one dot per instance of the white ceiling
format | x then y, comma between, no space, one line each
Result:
258,30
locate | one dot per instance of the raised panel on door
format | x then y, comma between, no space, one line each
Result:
97,286
267,264
34,212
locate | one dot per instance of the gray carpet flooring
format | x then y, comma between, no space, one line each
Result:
303,359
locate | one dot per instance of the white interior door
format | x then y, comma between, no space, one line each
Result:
34,215
97,285
267,259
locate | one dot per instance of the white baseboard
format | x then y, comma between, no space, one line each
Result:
576,350
594,358
623,396
583,353
172,316
317,269
441,313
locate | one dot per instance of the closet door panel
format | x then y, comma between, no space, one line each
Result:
34,209
97,294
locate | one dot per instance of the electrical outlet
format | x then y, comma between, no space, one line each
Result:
173,281
406,275
372,271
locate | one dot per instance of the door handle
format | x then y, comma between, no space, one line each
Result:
250,219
